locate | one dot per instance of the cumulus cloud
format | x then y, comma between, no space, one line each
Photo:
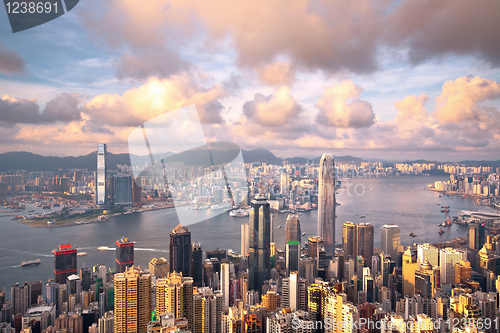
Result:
277,73
147,64
270,121
10,61
72,136
137,105
274,110
412,109
63,108
340,106
465,100
465,118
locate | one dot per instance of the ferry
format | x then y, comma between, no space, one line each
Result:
31,262
239,213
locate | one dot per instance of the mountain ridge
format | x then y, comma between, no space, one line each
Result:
22,160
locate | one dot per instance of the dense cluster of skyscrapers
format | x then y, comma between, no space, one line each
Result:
309,286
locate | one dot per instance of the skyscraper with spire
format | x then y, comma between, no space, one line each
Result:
326,203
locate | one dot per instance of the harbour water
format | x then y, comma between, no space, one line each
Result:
404,201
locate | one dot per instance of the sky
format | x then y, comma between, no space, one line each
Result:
381,79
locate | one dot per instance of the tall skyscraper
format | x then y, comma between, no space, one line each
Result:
85,273
410,265
197,265
292,256
358,240
244,240
294,292
23,297
292,243
132,300
159,267
326,203
349,239
429,253
448,257
207,306
285,183
64,263
259,262
425,280
136,192
292,229
313,243
365,241
124,254
175,295
477,236
224,282
52,292
123,190
180,251
102,174
390,240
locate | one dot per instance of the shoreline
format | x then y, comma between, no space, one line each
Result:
93,220
476,198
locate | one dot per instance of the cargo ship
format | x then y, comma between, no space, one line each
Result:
31,262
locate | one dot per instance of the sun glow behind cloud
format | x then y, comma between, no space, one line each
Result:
363,78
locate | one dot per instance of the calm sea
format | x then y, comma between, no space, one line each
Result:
402,201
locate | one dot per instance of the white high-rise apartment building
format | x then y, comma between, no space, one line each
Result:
447,259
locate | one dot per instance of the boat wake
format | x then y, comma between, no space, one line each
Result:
29,253
105,248
150,250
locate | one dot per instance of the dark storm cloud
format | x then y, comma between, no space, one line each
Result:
210,113
333,36
434,28
63,108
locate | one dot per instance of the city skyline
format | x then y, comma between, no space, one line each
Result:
299,166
